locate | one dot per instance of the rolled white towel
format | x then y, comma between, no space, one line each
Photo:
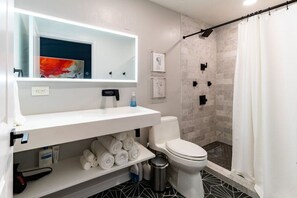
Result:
104,158
90,157
134,152
84,163
120,136
121,158
128,143
111,144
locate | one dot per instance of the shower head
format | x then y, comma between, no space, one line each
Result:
206,33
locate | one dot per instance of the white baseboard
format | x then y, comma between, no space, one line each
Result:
94,186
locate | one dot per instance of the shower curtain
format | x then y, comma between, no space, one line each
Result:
265,103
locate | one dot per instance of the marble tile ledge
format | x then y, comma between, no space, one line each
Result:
232,179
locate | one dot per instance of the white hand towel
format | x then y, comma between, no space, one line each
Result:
111,144
19,119
120,136
121,158
104,158
134,152
128,143
90,157
84,163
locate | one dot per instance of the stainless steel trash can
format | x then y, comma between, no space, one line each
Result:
159,179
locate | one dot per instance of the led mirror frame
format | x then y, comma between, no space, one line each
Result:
35,14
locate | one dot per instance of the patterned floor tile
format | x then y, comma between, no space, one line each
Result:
213,188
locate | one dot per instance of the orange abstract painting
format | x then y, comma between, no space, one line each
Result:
61,68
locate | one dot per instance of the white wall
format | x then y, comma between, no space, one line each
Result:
158,30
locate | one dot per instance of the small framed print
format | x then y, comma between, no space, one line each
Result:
158,62
158,87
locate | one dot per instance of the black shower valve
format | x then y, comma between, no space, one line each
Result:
202,99
195,83
203,66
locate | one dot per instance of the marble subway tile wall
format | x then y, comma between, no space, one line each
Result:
197,122
226,39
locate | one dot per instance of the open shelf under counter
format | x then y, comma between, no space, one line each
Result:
69,172
58,128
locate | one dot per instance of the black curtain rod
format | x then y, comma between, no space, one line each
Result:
287,3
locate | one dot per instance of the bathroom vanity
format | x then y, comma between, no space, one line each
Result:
58,128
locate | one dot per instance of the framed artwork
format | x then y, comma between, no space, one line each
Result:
158,87
61,68
158,62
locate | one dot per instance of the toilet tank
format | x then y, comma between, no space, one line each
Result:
167,130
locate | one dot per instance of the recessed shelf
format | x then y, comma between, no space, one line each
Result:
58,128
69,172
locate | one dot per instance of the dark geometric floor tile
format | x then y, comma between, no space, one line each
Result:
241,195
209,196
114,194
220,191
211,180
213,188
233,189
132,189
149,193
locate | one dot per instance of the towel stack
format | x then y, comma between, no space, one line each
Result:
88,160
109,150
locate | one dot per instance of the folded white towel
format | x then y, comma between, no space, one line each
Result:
128,143
90,157
84,163
120,136
111,144
134,152
121,158
104,158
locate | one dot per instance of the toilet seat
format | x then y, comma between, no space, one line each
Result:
186,150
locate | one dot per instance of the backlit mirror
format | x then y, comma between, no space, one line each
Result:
47,47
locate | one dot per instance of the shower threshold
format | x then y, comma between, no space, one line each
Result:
219,164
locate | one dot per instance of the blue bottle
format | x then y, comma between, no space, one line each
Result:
133,100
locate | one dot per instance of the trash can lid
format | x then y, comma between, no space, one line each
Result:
159,161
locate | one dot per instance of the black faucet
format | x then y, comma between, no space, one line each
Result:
111,92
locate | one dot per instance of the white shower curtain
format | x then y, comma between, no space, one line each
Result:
265,103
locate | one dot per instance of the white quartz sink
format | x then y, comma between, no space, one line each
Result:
57,128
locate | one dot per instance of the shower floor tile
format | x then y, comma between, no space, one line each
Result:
213,188
220,154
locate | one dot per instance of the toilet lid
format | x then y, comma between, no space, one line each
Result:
186,149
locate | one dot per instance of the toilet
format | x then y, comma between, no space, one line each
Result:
185,158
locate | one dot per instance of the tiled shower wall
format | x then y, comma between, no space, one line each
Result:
226,38
213,121
198,122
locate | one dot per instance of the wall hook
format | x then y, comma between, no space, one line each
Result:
209,83
124,73
110,73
